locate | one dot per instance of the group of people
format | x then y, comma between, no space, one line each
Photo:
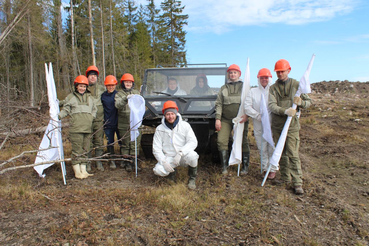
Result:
92,108
95,110
175,143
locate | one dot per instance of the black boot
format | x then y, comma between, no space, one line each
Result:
245,163
223,154
99,165
192,173
173,176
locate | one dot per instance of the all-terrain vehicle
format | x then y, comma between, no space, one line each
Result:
196,104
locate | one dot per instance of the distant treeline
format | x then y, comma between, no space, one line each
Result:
125,38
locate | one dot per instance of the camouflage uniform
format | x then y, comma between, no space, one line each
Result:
82,110
281,96
226,106
121,103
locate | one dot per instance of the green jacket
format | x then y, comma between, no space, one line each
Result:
96,91
82,111
121,103
281,96
228,100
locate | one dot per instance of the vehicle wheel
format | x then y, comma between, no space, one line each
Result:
146,145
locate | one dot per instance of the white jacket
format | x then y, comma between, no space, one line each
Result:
252,104
167,142
178,92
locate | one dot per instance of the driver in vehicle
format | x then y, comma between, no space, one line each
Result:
173,87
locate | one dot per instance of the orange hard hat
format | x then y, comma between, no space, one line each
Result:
110,80
264,72
169,104
234,67
81,79
92,68
282,65
127,77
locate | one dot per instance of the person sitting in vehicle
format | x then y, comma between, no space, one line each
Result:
202,89
173,87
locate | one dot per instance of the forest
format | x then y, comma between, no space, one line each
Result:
118,36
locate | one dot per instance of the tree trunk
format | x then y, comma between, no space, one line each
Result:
30,60
102,38
111,38
91,33
62,49
74,59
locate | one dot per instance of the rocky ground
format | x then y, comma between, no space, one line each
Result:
117,208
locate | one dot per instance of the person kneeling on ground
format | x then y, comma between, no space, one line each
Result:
174,144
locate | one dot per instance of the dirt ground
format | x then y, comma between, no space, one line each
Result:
117,208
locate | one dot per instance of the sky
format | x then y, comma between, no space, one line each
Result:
336,31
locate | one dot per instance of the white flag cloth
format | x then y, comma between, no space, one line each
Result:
265,121
136,104
52,139
235,157
304,87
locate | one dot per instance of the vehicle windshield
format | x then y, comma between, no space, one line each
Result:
198,86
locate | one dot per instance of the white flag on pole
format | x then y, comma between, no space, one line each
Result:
52,139
235,157
136,104
265,121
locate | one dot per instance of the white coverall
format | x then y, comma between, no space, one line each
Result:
178,92
252,109
167,143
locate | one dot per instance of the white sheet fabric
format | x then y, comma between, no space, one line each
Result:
52,136
167,143
136,104
235,157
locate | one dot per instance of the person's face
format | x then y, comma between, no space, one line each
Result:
264,80
201,83
283,75
170,117
233,75
172,84
110,88
92,78
128,84
81,88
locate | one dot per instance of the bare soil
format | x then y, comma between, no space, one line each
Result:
117,208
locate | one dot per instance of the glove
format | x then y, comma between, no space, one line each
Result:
167,166
177,159
297,101
129,96
258,118
290,112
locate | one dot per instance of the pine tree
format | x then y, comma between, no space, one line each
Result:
172,31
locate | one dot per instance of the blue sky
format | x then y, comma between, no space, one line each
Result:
336,31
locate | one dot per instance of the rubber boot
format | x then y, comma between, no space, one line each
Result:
173,176
99,165
224,160
245,163
88,166
84,172
129,166
192,173
77,172
112,153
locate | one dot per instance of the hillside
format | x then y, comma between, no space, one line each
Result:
116,208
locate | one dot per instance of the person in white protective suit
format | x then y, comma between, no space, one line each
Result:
174,145
252,109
